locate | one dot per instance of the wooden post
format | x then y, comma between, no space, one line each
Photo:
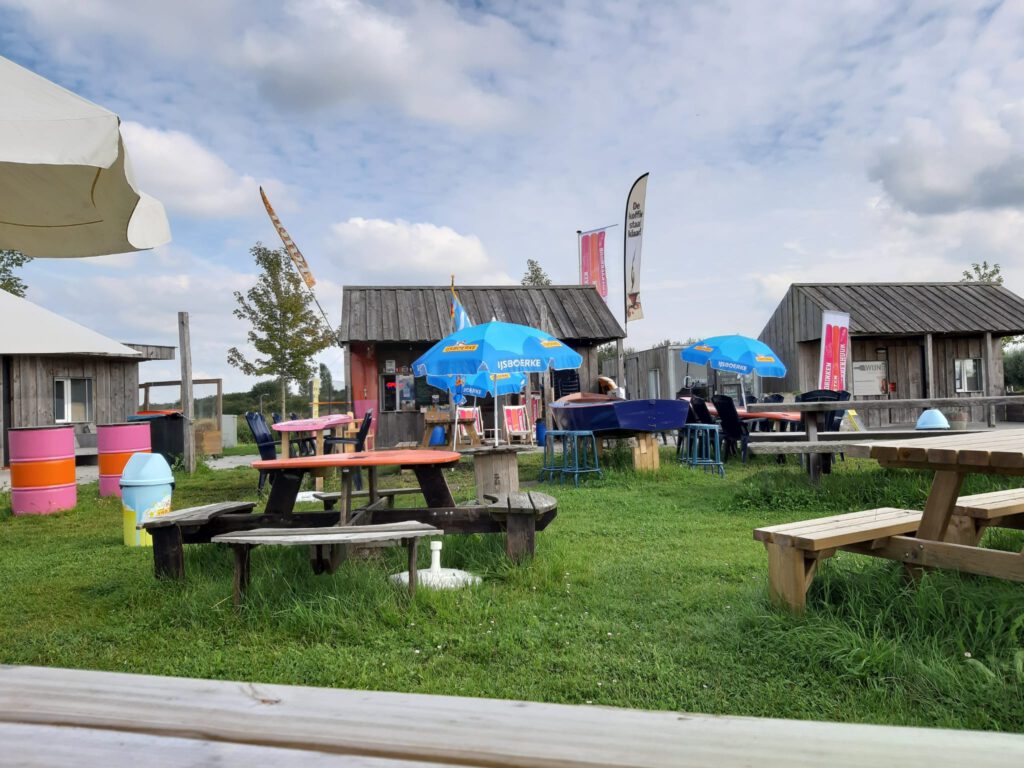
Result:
620,355
929,366
990,375
187,406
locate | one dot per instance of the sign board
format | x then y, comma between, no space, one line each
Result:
835,349
869,378
389,366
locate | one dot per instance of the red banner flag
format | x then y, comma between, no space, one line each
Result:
592,269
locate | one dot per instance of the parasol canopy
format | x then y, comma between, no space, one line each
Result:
66,186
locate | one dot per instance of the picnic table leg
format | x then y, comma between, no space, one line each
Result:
168,552
789,575
371,473
284,490
434,486
813,459
318,483
938,510
241,572
410,545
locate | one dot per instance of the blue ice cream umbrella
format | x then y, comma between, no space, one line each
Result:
496,348
736,354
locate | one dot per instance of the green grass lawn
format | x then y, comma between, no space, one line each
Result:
645,592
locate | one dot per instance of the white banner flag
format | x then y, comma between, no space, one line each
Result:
632,245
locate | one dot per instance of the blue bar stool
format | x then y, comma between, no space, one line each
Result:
583,459
702,447
554,465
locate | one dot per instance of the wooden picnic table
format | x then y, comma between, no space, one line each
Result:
449,422
952,457
318,425
520,519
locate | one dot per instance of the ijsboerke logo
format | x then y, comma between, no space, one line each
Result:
725,365
519,363
765,359
461,347
551,343
704,348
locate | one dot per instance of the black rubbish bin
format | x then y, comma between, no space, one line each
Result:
166,434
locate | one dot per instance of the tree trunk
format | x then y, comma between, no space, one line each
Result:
284,397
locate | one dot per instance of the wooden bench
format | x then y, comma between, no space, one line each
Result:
198,525
794,549
780,448
973,514
333,538
170,531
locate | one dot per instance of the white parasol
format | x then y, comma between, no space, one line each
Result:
66,186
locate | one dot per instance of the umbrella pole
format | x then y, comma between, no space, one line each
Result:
495,415
743,394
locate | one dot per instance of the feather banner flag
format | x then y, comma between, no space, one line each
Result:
289,245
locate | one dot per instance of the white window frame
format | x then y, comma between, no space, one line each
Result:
65,418
960,379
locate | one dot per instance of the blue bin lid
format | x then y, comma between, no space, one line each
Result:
146,469
932,419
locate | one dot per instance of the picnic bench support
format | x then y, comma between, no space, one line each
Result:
241,584
520,531
168,552
939,507
283,491
410,545
917,554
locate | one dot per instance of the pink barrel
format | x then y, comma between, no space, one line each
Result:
42,470
116,443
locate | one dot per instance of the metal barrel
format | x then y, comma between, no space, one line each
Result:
117,443
42,470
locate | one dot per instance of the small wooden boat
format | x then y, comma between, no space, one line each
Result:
612,417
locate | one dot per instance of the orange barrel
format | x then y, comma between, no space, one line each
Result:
42,470
116,443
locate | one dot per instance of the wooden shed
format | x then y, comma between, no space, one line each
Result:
908,340
60,372
385,328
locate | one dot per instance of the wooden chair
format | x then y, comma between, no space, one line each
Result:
517,424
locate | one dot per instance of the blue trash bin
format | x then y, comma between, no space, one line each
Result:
542,432
146,487
437,436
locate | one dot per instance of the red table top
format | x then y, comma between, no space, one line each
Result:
318,424
365,459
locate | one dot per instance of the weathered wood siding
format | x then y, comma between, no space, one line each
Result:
795,320
672,372
115,385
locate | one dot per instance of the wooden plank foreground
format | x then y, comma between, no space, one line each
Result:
106,718
881,405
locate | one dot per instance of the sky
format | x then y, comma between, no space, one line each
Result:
401,142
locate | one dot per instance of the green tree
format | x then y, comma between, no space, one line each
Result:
982,273
535,274
1013,368
10,282
284,329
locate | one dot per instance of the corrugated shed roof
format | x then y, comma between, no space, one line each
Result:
422,313
28,329
901,308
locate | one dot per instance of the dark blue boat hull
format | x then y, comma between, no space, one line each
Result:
620,418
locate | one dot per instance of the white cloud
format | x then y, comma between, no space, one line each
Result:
186,176
399,252
431,62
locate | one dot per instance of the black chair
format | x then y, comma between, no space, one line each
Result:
293,416
265,444
359,441
700,411
275,417
734,431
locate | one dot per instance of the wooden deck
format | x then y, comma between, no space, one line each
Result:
63,717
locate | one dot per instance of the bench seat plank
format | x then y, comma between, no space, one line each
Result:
987,506
840,530
198,515
332,535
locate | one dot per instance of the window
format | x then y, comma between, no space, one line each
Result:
398,392
968,375
72,400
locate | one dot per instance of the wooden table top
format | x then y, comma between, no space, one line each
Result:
364,459
992,452
317,424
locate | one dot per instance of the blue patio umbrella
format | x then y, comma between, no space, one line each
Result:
480,384
736,354
497,348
